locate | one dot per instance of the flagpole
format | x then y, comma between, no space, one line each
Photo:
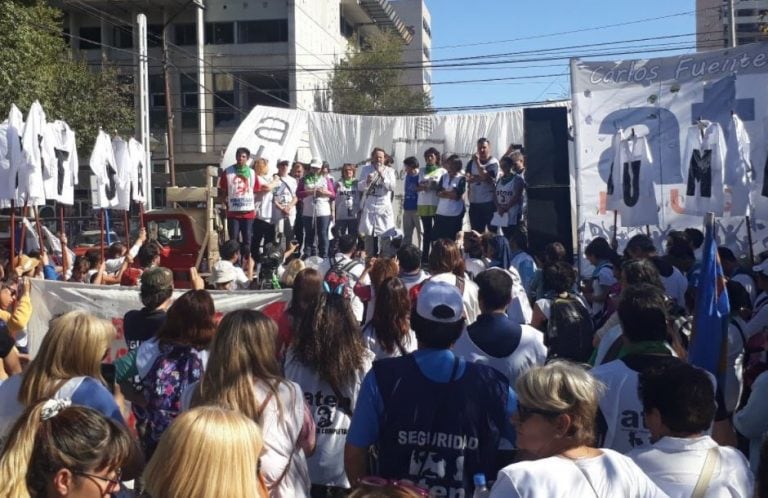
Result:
13,235
749,239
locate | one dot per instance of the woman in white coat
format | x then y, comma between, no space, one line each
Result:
377,183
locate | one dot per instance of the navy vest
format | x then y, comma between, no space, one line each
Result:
436,434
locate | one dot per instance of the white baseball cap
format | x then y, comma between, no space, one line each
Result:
440,302
316,163
222,272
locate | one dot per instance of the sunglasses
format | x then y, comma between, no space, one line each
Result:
526,412
380,482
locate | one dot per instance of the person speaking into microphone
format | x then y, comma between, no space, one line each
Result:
377,183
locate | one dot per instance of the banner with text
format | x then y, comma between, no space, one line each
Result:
683,111
51,299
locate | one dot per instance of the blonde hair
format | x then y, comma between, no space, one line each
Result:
207,452
291,270
242,352
260,166
74,346
564,387
78,438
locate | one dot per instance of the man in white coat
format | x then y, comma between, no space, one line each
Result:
377,183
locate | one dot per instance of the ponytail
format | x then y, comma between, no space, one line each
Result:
17,454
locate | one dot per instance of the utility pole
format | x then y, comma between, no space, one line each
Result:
168,106
732,24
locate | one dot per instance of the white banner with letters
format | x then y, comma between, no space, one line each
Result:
667,101
51,299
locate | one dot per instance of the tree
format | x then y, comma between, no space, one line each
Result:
368,80
36,64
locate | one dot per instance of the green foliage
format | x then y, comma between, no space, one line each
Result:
368,81
35,64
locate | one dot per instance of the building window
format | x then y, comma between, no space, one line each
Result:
225,114
154,35
158,119
122,36
219,33
190,98
746,12
265,89
90,38
426,27
263,31
186,34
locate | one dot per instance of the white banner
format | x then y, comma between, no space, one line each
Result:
51,299
272,133
662,99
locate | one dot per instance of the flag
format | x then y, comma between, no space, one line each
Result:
709,343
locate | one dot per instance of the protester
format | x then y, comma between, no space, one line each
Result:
328,359
307,287
80,269
521,260
16,310
117,252
148,257
509,195
263,227
284,203
679,408
447,265
555,425
297,173
553,252
736,273
207,452
752,421
344,264
599,254
292,269
173,360
643,316
496,340
759,320
740,305
449,215
347,202
10,363
55,450
156,293
482,172
378,269
499,254
389,333
238,186
243,375
409,261
675,284
474,247
429,183
228,265
376,181
411,221
436,394
317,194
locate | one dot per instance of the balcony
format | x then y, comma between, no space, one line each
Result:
378,13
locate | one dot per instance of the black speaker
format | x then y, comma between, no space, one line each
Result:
548,178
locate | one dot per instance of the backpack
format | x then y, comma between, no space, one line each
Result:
339,279
174,369
569,330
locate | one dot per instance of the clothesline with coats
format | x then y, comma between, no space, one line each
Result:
39,162
714,161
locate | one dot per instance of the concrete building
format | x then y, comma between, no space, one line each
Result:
712,31
418,53
225,57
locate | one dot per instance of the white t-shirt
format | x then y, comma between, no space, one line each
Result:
326,466
609,475
450,207
600,282
471,304
474,266
675,286
429,197
675,464
408,343
529,352
284,193
280,437
482,191
264,201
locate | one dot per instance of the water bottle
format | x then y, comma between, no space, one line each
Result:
481,488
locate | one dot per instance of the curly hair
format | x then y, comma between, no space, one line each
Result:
392,314
328,340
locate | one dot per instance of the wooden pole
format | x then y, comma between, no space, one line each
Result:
23,228
749,239
39,226
127,222
64,255
13,236
101,223
141,215
614,242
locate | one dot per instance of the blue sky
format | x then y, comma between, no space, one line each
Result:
461,22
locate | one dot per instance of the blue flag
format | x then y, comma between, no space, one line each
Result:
709,340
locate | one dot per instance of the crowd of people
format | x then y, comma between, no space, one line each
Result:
456,364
